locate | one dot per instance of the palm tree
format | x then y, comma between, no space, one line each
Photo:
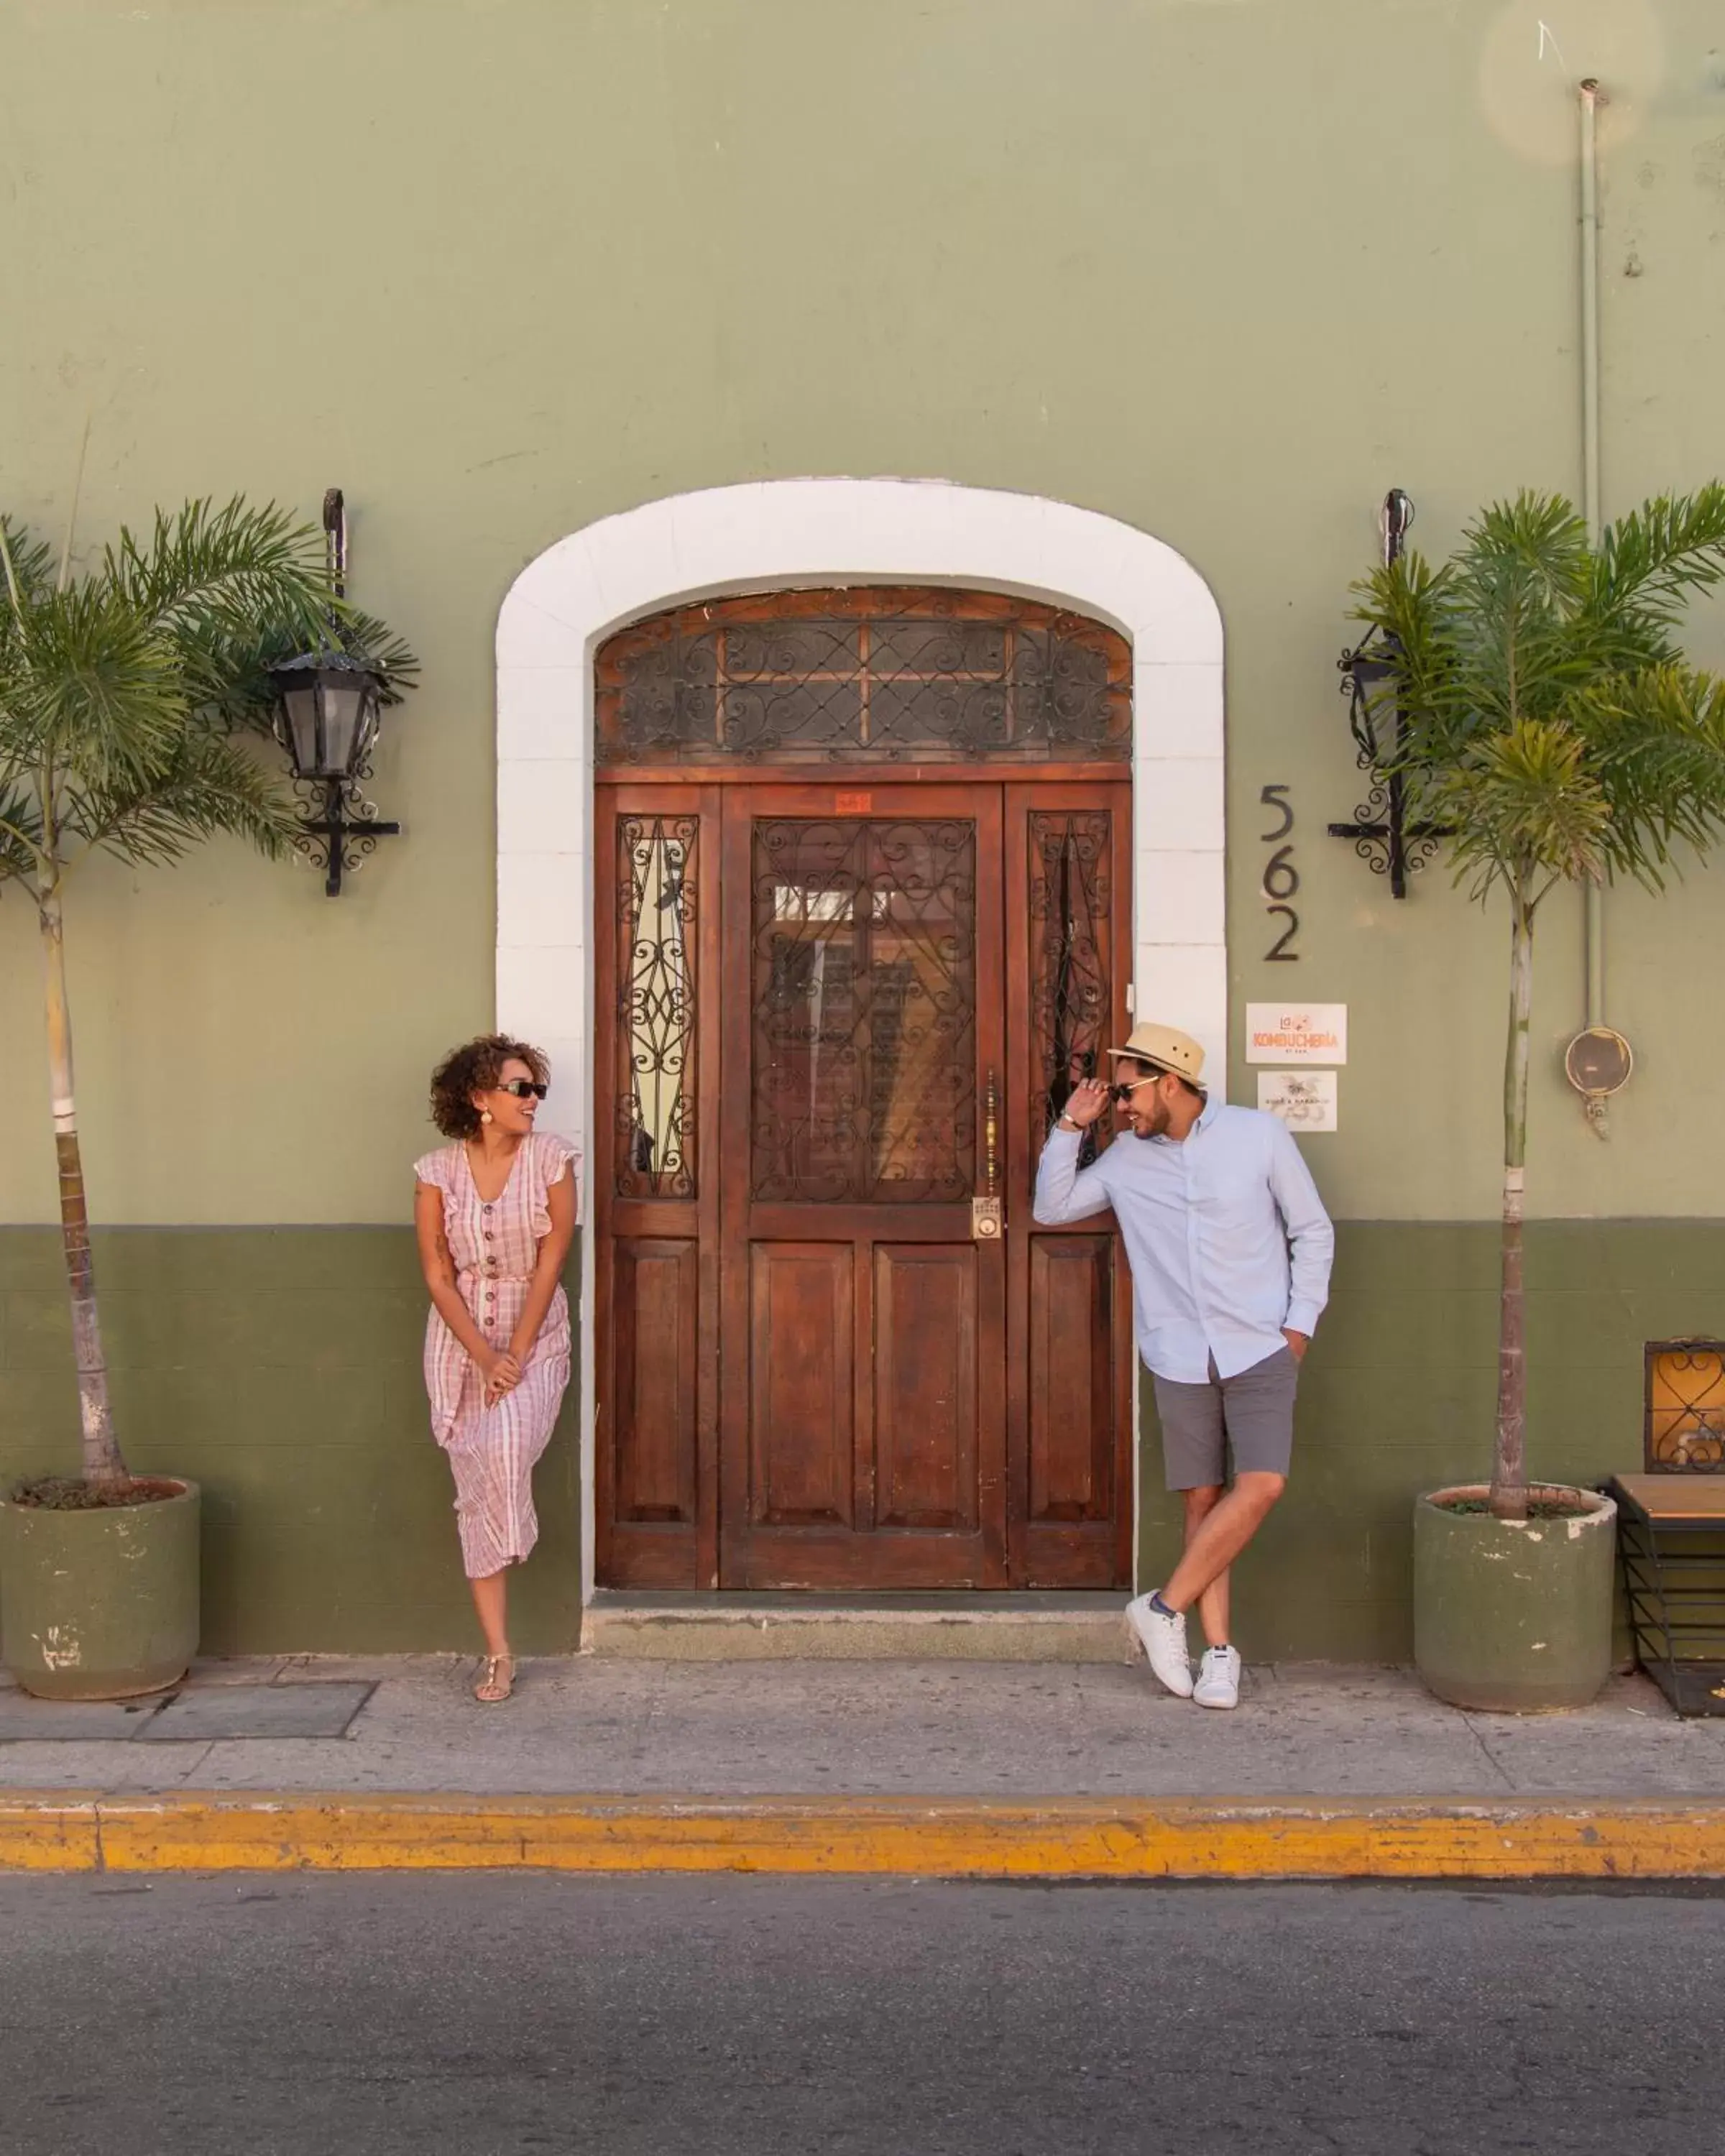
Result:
125,688
1551,728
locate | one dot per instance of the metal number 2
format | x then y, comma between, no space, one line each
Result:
1282,879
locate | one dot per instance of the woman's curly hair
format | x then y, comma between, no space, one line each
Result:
474,1068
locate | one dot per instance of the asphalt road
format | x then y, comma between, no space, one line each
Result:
441,2015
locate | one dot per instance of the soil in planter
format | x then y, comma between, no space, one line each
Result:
70,1493
1541,1505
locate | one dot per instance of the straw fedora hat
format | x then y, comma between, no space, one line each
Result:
1165,1050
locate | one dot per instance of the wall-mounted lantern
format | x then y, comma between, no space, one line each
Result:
1382,836
328,703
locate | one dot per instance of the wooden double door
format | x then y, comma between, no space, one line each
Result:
835,1021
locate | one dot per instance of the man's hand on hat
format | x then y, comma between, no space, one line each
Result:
1086,1102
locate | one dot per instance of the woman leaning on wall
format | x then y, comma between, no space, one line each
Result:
496,1211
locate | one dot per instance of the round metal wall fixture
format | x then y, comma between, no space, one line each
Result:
1597,1063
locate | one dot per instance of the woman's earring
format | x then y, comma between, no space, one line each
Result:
485,1115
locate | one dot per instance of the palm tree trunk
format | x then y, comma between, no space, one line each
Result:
1509,1468
102,1460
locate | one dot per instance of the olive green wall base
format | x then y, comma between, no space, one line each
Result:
280,1367
1398,1396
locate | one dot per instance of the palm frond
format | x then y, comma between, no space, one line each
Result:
1524,808
29,567
93,687
1657,739
1654,561
207,572
211,786
20,829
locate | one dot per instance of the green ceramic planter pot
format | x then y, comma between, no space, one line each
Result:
1514,1618
99,1604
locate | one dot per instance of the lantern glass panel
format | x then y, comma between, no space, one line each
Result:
348,719
304,731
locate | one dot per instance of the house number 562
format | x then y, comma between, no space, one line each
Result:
1282,879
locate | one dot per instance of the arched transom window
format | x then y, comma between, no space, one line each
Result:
875,674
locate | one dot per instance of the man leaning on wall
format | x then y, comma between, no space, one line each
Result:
1229,1249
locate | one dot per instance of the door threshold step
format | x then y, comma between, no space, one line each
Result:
786,1627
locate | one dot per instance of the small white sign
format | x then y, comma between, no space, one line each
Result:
1304,1100
1296,1033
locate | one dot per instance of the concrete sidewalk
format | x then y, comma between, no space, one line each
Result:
802,1728
1080,1768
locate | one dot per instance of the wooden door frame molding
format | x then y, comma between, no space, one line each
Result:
810,532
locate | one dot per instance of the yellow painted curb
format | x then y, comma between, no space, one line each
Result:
1059,1838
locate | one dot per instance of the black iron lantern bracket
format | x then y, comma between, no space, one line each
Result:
1383,838
342,828
329,704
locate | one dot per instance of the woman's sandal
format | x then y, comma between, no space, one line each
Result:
494,1686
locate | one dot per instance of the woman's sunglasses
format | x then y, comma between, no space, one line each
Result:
521,1087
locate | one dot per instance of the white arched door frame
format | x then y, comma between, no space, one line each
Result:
780,533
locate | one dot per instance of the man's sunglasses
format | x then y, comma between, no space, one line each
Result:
1124,1091
521,1087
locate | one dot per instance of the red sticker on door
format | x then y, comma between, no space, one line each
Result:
852,804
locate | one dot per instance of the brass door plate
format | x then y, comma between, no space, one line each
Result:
988,1220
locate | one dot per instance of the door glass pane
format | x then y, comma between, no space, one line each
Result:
1070,900
655,1017
864,1011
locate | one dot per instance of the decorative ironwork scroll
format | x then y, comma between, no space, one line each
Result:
1070,901
864,1011
339,830
877,675
1685,1428
655,998
1383,838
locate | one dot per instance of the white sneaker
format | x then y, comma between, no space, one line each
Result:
1164,1640
1218,1678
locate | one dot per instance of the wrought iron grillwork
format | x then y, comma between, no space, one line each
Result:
879,675
339,830
655,998
864,1017
1383,838
1069,899
1685,1396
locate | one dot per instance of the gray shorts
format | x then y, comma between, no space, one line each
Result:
1254,1412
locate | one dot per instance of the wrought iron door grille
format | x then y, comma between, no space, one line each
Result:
1069,899
877,675
655,1006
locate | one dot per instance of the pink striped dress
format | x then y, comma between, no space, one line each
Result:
493,1451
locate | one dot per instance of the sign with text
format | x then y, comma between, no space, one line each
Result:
1296,1033
1304,1100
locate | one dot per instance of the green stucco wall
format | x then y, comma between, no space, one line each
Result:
1223,269
281,1368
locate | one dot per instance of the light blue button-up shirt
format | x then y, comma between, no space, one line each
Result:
1227,1236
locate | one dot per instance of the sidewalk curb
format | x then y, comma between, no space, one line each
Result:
905,1837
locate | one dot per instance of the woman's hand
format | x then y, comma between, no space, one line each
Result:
501,1372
